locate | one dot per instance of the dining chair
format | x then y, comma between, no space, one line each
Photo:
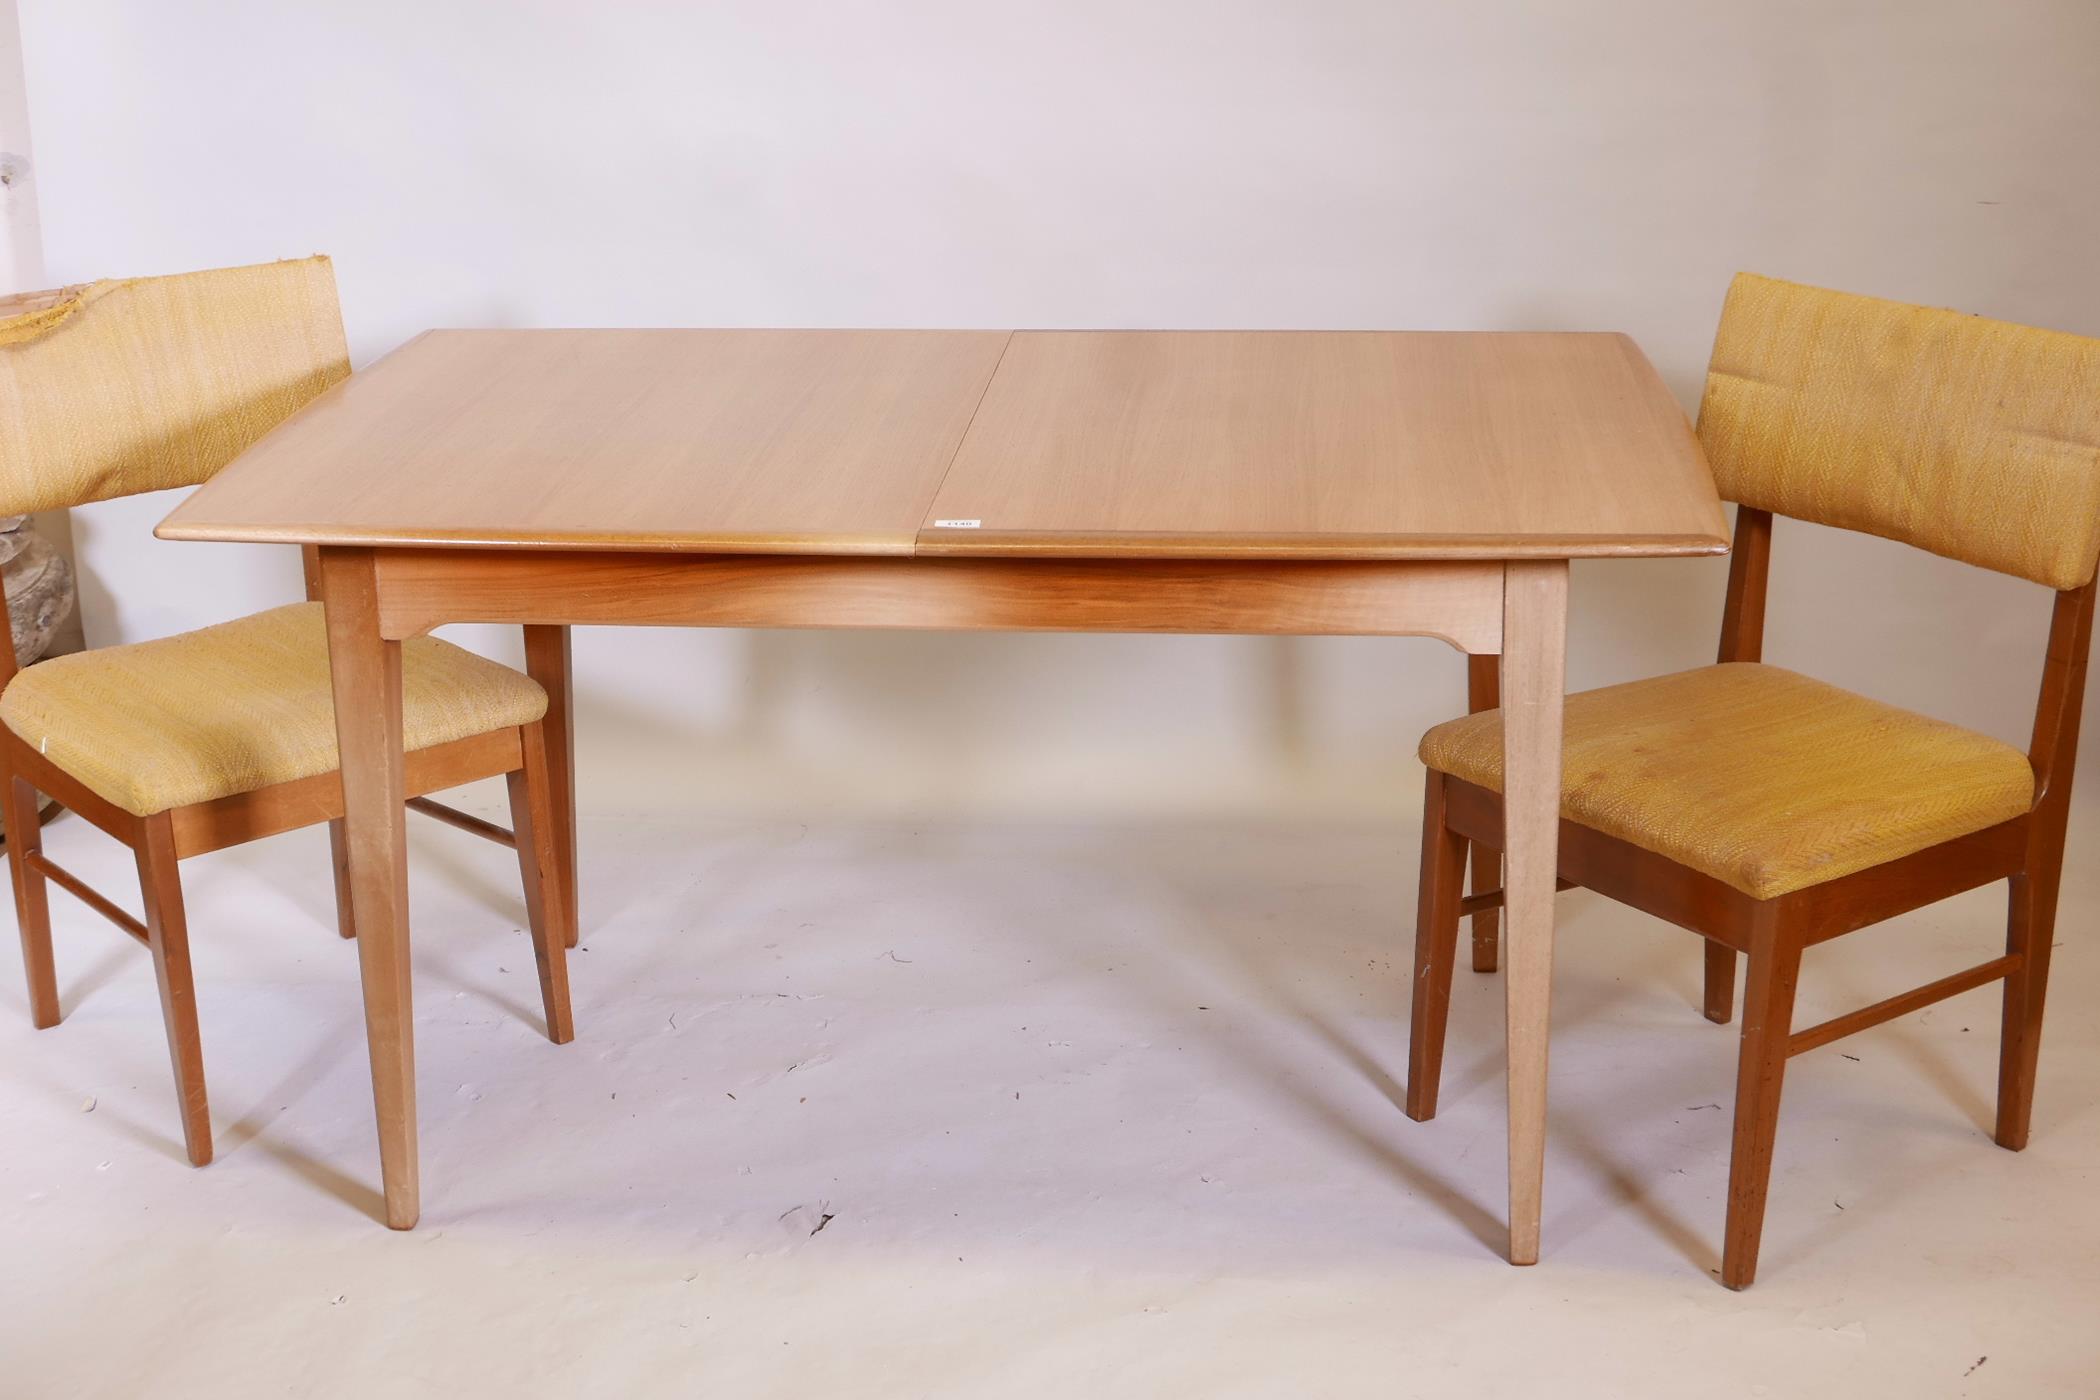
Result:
211,738
1769,812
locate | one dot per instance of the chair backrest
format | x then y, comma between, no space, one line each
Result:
118,387
1975,439
1971,438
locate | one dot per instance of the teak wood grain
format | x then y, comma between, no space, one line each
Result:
745,441
1365,483
249,816
1130,444
547,659
1325,445
1456,600
1533,678
366,673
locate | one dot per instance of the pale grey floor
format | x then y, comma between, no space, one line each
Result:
1106,1110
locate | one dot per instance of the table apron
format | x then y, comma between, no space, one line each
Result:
1456,601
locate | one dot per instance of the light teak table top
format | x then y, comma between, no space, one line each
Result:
1307,481
1125,444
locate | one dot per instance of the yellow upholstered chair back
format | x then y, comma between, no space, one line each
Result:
1974,439
120,387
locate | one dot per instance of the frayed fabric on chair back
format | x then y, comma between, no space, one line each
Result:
1971,438
120,387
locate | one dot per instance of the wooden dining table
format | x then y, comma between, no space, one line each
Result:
1267,482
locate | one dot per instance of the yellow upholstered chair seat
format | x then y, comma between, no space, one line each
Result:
1764,779
236,707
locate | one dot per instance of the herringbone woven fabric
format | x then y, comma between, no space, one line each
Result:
1975,439
128,386
1764,779
238,706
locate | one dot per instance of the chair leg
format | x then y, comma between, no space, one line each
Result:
2030,928
1487,924
1768,1016
1484,692
546,905
167,933
1720,982
339,860
25,837
1436,948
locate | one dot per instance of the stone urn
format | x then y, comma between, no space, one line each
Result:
39,589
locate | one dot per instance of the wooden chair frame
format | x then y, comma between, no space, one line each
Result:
2026,851
537,759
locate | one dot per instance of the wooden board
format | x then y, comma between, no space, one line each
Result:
1326,444
760,441
1459,601
1132,444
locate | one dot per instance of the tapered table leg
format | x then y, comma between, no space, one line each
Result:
366,670
547,661
1534,644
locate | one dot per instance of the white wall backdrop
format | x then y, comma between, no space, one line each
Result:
1266,163
21,247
